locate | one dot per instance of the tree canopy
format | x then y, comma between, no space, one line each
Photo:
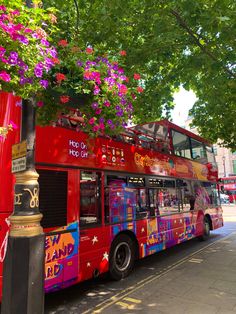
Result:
170,43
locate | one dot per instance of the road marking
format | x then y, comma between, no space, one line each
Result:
132,300
196,260
125,305
126,292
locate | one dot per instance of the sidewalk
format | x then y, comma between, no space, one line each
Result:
202,283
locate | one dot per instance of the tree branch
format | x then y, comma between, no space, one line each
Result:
77,11
196,39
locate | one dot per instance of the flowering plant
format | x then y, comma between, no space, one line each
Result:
64,77
96,86
25,52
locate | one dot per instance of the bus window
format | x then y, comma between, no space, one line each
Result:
167,198
137,184
90,198
210,155
186,195
153,201
120,200
206,195
181,144
213,193
141,202
198,151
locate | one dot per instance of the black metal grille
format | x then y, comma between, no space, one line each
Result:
53,197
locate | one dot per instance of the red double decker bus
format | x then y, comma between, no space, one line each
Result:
228,186
109,201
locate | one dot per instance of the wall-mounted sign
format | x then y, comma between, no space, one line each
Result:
18,164
19,150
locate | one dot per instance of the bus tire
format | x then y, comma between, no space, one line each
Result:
122,257
206,229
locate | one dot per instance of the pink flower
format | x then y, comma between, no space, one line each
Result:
16,12
13,125
88,75
123,89
98,111
2,51
137,76
28,30
101,126
123,53
18,27
89,50
3,8
60,77
5,76
55,60
95,128
96,90
63,43
139,89
40,104
64,99
120,70
91,121
41,33
106,103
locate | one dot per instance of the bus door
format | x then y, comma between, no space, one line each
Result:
93,255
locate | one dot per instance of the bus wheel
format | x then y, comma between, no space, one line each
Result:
122,256
206,230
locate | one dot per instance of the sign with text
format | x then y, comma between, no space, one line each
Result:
18,165
19,150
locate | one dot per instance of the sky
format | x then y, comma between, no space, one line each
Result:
184,101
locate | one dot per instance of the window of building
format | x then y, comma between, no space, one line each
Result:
234,166
215,150
90,197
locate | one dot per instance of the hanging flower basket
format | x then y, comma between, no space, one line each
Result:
26,55
67,76
95,85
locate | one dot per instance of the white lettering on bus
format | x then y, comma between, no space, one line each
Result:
83,146
84,154
74,144
74,153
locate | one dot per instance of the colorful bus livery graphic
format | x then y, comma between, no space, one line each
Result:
61,258
106,202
